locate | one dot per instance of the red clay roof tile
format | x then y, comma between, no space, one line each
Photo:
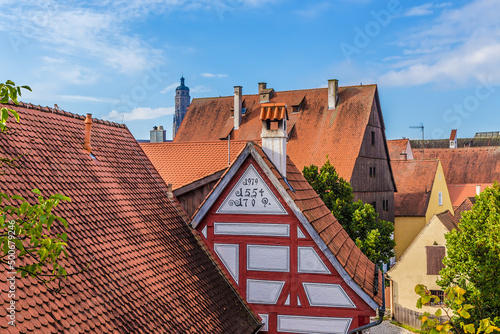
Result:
184,163
397,148
414,180
141,279
337,133
465,164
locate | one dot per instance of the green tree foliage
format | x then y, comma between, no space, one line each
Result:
457,311
27,244
473,258
372,235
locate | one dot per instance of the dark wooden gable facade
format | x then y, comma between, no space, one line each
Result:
372,176
275,255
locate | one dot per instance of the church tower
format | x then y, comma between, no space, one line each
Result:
182,101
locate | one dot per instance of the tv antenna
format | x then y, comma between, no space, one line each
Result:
421,127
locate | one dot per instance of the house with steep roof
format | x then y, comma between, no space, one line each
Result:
468,170
400,149
422,193
345,124
150,272
420,264
284,250
192,168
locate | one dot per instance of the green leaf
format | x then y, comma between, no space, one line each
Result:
438,313
63,221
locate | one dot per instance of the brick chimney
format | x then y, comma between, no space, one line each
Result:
88,130
333,93
265,93
453,139
274,134
237,106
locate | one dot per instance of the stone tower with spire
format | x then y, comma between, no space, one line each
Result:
182,101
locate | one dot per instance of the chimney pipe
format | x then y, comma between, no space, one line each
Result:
262,86
88,127
274,134
237,106
333,93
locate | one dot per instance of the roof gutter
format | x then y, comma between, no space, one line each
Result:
381,312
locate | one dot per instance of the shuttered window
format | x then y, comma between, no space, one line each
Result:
435,255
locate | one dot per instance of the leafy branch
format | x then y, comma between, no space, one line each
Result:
9,92
454,296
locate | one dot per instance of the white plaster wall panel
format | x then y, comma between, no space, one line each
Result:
328,295
310,262
298,301
287,301
251,195
229,255
265,322
313,325
268,258
263,292
204,231
259,229
300,234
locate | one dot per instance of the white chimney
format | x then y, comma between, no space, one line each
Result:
333,93
274,134
237,106
478,189
453,139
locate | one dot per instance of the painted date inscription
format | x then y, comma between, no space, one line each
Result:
251,195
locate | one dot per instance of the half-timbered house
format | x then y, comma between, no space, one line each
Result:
283,249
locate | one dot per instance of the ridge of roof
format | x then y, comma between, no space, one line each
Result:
63,113
283,91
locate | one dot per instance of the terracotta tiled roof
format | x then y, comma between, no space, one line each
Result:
453,134
414,179
183,163
272,111
337,133
448,220
356,264
397,148
150,273
465,206
459,192
466,164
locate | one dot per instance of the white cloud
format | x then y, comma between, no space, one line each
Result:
456,46
169,88
426,9
200,89
140,114
87,99
212,75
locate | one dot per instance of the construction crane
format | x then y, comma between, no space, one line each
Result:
421,127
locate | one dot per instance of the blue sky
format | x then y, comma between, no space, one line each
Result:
436,63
